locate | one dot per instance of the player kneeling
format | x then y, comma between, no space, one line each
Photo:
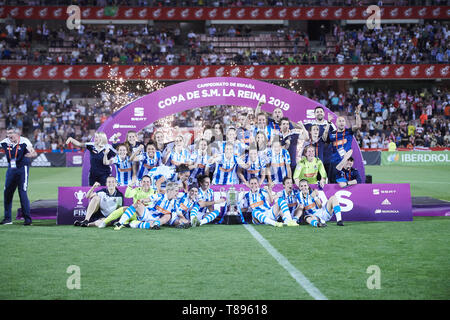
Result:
161,211
313,211
258,200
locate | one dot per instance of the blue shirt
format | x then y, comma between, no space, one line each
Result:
16,151
96,158
341,142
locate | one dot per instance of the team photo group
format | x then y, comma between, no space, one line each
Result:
170,182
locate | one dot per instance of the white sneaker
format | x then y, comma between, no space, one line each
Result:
102,225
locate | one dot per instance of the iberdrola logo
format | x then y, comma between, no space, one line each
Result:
393,157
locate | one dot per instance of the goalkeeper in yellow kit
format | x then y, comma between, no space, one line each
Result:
309,167
140,193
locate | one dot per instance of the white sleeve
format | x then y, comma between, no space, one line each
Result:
26,141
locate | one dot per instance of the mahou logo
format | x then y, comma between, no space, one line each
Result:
83,72
219,72
57,13
309,72
43,13
324,13
324,72
408,12
199,13
171,13
159,72
114,72
241,13
144,72
234,72
189,72
444,71
99,13
352,13
226,14
296,13
399,71
282,13
129,72
6,72
175,72
204,72
68,72
310,13
338,13
212,13
86,12
394,12
436,12
429,71
295,72
384,71
98,72
369,71
22,72
264,72
249,72
279,72
339,72
157,13
422,12
129,13
14,12
414,71
37,72
143,13
28,12
354,72
52,72
185,13
254,13
268,13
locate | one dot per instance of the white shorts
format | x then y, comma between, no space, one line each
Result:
150,215
322,214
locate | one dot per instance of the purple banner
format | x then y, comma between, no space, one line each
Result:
74,159
209,92
362,202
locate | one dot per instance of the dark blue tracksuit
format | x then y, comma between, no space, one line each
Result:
16,177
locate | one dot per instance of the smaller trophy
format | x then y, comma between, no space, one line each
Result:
79,196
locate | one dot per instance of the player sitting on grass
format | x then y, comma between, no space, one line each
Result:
205,213
160,211
258,201
101,203
288,202
313,211
139,193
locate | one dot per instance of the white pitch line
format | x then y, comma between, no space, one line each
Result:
294,272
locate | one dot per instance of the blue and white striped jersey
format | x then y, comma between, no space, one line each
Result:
147,163
185,205
177,158
202,161
226,170
258,200
278,165
124,170
257,168
292,200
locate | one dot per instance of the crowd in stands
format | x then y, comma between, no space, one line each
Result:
411,118
225,3
166,45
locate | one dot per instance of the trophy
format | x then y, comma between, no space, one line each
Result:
79,196
232,214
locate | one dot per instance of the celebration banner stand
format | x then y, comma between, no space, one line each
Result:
223,91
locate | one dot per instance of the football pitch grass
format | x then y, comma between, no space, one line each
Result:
227,262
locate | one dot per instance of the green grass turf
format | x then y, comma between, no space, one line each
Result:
226,262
